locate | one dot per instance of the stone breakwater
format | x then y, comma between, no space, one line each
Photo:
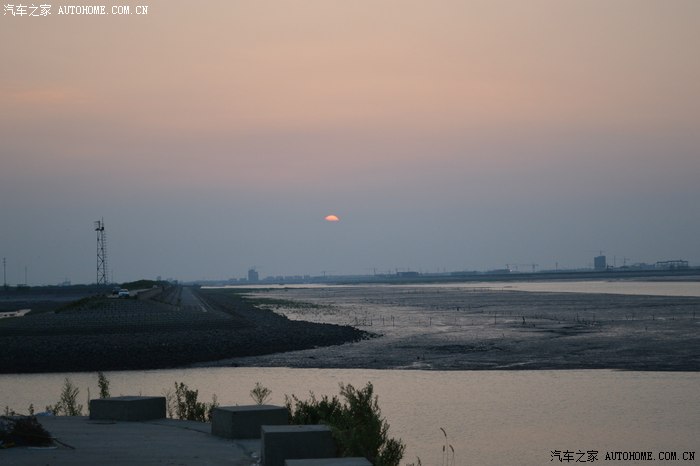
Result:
115,334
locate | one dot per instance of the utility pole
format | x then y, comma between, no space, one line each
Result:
4,272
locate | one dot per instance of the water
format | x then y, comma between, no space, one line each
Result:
690,287
628,287
491,417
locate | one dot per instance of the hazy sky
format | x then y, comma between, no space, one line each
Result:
214,136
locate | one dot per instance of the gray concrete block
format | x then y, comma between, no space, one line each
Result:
350,461
128,408
243,422
280,443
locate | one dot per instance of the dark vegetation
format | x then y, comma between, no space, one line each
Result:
22,430
172,329
144,284
356,422
88,302
42,299
260,394
67,405
274,302
183,404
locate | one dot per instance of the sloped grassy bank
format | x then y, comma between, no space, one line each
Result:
112,334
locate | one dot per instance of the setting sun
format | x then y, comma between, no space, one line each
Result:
332,218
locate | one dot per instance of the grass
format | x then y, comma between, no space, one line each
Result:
89,302
143,284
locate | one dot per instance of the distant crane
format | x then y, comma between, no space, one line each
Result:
599,251
624,261
533,266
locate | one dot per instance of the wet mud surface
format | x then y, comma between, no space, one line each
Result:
378,327
445,328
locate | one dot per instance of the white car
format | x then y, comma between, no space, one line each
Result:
123,293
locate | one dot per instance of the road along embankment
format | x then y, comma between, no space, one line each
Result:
186,327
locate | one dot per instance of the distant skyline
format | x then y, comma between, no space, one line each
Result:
613,262
456,135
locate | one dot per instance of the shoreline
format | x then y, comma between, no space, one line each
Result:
456,329
419,328
133,335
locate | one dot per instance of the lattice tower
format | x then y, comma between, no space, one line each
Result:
101,252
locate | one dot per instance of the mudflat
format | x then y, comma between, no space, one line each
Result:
379,327
453,328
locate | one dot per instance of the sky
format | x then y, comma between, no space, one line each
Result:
446,135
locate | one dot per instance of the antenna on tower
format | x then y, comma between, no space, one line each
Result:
101,252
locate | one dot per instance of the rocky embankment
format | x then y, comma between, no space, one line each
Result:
174,329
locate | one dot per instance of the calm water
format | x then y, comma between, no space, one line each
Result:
633,287
491,417
648,288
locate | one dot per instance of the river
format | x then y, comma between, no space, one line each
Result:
491,417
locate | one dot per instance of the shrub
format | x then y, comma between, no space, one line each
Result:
67,404
260,394
25,431
313,411
103,383
184,404
356,423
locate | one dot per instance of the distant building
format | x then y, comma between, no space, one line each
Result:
253,276
498,271
672,265
599,263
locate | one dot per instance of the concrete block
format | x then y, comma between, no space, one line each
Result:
279,443
349,461
128,408
243,422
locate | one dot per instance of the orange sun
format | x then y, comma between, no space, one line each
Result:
332,218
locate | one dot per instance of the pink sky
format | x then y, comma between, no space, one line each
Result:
422,120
